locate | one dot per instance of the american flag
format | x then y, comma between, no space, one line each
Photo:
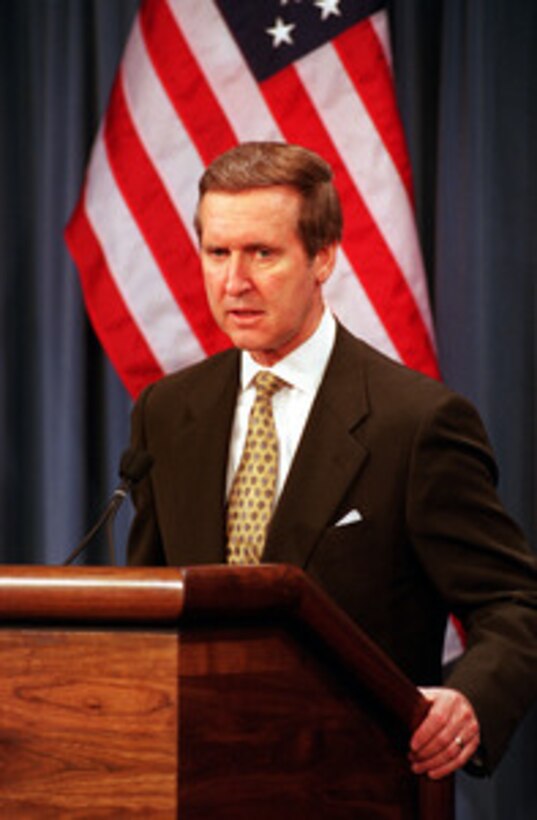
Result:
196,78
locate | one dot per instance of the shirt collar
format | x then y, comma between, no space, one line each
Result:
302,368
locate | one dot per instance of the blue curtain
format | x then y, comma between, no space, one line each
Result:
63,416
466,72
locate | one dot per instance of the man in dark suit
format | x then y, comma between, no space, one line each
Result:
385,481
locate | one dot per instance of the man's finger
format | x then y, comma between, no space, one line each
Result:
452,758
447,737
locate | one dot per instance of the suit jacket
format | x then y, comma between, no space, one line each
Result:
412,458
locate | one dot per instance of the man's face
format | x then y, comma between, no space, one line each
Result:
262,289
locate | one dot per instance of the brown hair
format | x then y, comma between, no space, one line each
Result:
264,164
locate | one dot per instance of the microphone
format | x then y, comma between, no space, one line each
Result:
134,465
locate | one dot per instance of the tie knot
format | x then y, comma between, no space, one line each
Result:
266,384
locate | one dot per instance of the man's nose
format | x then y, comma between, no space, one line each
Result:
237,275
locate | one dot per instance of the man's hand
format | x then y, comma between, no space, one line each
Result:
448,737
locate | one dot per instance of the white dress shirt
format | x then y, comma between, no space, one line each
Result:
302,370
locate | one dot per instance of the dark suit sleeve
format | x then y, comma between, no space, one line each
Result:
145,544
479,561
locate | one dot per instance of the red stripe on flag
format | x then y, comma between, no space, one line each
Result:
110,317
363,244
185,84
157,220
361,52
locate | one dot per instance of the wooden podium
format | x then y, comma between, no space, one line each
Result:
207,692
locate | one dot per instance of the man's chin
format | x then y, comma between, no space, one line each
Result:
245,340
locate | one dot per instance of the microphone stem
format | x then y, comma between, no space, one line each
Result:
110,535
108,514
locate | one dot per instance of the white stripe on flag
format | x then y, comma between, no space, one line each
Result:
173,155
348,300
134,269
361,148
224,67
379,21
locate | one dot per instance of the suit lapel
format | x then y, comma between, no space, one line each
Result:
329,457
202,448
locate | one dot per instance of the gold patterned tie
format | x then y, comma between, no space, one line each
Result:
252,492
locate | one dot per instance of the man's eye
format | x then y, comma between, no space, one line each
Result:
264,253
217,253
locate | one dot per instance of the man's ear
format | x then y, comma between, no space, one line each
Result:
324,262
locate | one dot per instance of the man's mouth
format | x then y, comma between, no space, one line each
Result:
244,313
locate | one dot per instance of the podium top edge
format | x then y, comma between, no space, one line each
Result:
37,593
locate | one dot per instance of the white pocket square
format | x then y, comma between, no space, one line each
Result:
349,518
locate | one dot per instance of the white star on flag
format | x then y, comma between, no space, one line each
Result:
281,32
328,7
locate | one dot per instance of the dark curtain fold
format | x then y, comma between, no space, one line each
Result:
466,74
63,418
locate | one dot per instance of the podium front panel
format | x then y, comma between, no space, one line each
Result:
88,723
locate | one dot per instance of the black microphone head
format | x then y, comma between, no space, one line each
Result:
134,465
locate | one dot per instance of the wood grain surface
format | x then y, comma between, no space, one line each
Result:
88,724
268,731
